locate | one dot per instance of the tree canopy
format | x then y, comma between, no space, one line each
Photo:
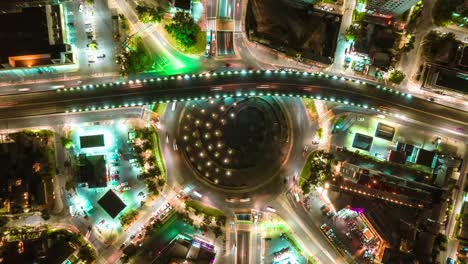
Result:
433,41
396,77
184,29
150,15
138,59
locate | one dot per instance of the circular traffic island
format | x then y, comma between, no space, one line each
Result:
236,144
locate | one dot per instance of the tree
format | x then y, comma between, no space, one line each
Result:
396,77
90,2
434,41
45,215
152,187
3,221
352,33
217,231
184,29
138,59
161,182
87,254
305,188
150,15
66,142
442,13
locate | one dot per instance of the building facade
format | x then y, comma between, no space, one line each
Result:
390,7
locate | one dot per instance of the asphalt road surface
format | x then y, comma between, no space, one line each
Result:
283,84
243,245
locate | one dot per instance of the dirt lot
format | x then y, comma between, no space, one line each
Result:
284,27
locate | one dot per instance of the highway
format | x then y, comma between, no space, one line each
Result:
261,82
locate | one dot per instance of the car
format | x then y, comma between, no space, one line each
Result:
347,59
81,8
102,56
271,209
125,189
360,119
465,40
450,261
123,184
141,194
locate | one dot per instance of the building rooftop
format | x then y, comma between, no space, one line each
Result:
362,142
464,57
111,203
26,33
188,251
92,170
92,141
426,158
183,4
385,131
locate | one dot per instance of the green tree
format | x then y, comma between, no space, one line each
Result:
352,32
87,254
138,59
3,221
442,13
150,15
184,29
396,77
66,142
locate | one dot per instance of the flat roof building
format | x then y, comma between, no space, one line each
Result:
92,141
390,7
385,131
92,170
111,203
32,37
362,142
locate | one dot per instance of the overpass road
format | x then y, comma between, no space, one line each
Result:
323,87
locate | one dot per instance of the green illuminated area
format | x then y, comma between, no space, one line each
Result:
140,58
120,177
368,128
282,239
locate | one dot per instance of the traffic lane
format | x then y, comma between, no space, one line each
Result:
211,8
32,107
169,90
307,232
243,247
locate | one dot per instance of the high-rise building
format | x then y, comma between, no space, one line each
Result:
390,7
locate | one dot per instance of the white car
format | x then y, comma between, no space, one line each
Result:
81,8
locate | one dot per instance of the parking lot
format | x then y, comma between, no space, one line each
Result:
90,32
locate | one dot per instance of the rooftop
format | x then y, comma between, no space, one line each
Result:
27,33
111,203
182,4
362,142
92,141
92,170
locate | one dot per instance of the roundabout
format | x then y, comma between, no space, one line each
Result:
234,144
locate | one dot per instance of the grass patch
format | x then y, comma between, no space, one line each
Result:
305,170
310,105
158,155
159,109
197,49
204,209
